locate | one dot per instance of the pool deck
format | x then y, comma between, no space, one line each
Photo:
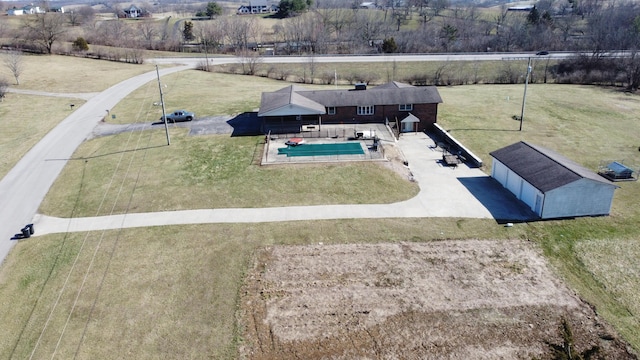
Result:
342,134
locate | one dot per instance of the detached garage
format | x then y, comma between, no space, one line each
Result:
550,184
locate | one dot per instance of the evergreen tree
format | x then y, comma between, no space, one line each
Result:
187,31
534,16
213,9
80,44
389,45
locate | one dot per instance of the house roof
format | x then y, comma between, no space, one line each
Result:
543,168
288,101
313,101
410,119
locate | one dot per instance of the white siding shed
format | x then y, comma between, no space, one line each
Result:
550,184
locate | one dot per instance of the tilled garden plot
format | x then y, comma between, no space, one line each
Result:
449,299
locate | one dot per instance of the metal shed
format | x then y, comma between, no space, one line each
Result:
550,184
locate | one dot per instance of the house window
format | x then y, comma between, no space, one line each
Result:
365,110
405,107
331,110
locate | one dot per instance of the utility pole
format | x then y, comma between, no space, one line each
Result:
164,116
524,98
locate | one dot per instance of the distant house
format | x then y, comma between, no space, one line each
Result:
550,184
132,12
257,7
294,107
15,12
522,8
58,9
30,9
368,5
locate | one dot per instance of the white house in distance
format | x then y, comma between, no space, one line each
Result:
29,9
15,12
257,7
550,184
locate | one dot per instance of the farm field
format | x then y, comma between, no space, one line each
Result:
181,291
446,299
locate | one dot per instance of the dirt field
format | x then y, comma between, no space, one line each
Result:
440,300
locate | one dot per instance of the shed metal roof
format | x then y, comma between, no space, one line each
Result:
543,168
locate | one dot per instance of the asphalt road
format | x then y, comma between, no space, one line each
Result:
194,61
25,186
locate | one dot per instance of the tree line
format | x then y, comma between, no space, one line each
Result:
328,27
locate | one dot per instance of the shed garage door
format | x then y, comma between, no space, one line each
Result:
500,172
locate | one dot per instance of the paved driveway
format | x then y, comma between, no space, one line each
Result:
460,191
445,192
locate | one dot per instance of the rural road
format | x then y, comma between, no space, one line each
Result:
25,186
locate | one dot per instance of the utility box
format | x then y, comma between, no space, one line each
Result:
364,134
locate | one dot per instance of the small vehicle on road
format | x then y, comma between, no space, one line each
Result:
543,52
179,115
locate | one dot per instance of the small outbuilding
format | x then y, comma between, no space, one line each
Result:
550,184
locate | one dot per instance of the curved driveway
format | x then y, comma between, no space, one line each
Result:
444,192
25,186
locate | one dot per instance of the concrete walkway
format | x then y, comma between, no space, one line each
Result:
444,192
83,96
26,184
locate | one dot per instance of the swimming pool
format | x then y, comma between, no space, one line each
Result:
346,148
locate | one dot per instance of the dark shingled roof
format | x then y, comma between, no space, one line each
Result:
543,168
379,95
392,93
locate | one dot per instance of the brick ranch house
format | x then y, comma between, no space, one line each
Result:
295,109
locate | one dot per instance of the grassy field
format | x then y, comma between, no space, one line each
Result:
167,292
24,124
173,291
204,93
588,125
205,172
67,74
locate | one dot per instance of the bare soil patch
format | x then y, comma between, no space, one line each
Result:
450,299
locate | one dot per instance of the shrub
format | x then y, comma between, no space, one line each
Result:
4,84
80,44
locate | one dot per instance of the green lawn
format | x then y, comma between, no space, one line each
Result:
206,94
108,176
25,119
68,74
151,291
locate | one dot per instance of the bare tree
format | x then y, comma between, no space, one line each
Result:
149,31
630,67
211,36
239,30
14,60
113,33
87,13
45,29
74,18
249,60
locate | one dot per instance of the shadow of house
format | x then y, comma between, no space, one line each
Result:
246,124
